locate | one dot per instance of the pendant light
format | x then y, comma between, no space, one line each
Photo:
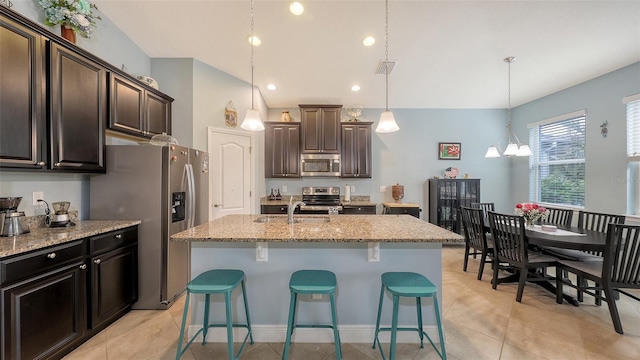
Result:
387,122
252,120
513,148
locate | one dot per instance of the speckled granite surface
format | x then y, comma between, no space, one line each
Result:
41,237
340,228
356,200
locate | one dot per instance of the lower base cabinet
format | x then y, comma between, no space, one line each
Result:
56,298
359,210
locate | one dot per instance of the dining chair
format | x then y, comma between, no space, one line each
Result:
486,207
559,216
510,245
620,269
476,240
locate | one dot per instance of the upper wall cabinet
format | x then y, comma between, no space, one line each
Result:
137,111
78,111
356,150
282,150
320,129
22,109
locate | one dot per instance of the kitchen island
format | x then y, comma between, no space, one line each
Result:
357,248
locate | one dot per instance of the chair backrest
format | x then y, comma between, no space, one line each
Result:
597,221
473,224
559,216
486,207
509,238
622,256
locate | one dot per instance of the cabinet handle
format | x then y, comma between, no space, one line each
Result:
119,236
96,261
83,266
41,163
51,255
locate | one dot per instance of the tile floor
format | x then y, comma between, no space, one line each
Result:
480,323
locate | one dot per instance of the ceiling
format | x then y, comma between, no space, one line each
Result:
449,53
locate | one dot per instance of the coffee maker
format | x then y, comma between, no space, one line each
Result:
10,224
60,217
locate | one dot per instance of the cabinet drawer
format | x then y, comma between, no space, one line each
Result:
359,210
112,240
274,209
22,267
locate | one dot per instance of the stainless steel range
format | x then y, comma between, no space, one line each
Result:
319,200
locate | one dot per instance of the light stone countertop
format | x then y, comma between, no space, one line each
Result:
340,228
42,237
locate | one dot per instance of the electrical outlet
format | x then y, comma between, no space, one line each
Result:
37,195
353,188
284,188
316,296
383,189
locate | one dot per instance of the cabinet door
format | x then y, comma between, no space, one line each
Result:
356,150
126,105
273,209
359,210
114,284
282,150
22,92
46,315
330,125
320,129
158,115
311,130
78,112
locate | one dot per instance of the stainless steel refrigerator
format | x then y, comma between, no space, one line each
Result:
168,189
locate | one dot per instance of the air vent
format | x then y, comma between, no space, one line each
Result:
382,66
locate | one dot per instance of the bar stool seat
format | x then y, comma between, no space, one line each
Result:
312,282
218,281
408,284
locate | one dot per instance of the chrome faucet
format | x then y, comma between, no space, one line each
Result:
292,208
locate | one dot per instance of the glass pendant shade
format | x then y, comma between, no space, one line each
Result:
387,123
252,121
524,150
512,149
492,152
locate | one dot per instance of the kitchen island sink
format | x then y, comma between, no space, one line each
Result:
296,220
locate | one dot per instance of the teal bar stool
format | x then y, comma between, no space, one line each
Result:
408,284
312,282
219,281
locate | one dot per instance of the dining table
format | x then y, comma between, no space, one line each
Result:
564,237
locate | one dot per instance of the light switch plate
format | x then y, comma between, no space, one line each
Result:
383,189
284,188
262,251
373,252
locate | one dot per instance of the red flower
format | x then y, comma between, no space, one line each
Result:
535,206
519,206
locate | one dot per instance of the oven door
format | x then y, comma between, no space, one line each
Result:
320,165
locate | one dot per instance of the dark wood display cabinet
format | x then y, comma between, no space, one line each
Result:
282,150
356,150
445,198
137,111
53,300
320,128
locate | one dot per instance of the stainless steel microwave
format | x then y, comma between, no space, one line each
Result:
320,165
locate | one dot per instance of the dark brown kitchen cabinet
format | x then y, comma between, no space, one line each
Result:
137,111
320,129
282,150
275,209
22,92
44,302
114,275
445,198
78,111
359,210
356,150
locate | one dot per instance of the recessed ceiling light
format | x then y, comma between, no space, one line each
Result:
368,41
296,8
254,40
271,87
355,88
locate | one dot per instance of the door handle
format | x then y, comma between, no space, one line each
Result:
217,205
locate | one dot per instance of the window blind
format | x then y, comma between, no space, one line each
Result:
557,166
633,130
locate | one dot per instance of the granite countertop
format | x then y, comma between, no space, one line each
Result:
356,200
340,228
42,237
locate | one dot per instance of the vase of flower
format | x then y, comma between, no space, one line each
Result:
531,213
67,33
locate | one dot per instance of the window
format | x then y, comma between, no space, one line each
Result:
556,167
633,152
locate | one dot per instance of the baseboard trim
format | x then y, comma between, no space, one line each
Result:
348,334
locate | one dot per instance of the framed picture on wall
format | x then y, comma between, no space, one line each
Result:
449,151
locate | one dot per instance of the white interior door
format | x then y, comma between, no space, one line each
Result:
231,178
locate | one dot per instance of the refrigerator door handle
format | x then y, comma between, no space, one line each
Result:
191,196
